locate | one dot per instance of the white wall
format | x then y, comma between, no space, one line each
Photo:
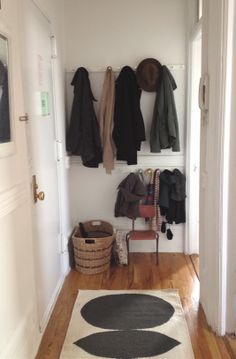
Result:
100,33
121,33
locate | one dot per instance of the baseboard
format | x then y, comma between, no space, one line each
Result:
65,265
51,304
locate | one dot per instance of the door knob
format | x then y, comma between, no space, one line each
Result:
40,196
37,195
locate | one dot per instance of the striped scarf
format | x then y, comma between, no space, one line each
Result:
156,221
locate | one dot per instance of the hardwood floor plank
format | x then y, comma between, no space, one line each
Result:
172,271
230,342
195,260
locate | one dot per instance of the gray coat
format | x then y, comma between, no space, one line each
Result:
131,191
165,130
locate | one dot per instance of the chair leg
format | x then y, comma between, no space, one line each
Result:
127,243
157,251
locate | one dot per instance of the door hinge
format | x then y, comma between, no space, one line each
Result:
203,96
53,47
59,150
24,118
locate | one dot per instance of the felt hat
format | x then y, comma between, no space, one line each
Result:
148,74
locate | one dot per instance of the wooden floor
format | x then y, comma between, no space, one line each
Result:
173,271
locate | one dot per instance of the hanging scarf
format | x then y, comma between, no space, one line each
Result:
150,187
106,120
156,221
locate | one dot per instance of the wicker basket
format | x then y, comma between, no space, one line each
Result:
93,255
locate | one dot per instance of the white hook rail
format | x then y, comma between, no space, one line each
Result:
90,69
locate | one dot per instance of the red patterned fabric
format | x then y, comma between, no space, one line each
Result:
156,221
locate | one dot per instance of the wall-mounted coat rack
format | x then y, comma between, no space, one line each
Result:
117,69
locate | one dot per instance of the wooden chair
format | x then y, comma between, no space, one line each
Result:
145,211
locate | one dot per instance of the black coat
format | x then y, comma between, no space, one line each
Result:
83,137
4,105
172,196
129,131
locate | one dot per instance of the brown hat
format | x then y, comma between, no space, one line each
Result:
148,73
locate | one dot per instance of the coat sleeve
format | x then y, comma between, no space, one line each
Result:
172,119
155,145
138,125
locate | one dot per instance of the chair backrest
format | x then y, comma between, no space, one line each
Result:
146,210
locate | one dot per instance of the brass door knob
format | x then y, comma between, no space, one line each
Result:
40,196
37,196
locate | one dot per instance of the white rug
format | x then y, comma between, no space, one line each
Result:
127,325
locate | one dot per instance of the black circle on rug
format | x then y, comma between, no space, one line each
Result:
127,344
127,311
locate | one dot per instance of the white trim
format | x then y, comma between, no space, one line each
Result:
59,164
213,245
51,305
196,34
65,263
172,67
197,31
225,107
143,161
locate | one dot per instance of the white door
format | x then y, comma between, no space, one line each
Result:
38,89
194,143
17,299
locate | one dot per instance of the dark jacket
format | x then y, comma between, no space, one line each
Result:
167,180
131,191
164,129
172,196
4,105
178,192
129,131
83,137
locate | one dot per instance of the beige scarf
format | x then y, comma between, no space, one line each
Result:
106,120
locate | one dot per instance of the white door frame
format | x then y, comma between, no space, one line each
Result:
217,62
196,34
59,141
59,125
225,115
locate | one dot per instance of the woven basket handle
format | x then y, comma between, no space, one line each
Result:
89,241
96,223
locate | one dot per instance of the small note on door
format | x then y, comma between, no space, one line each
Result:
45,111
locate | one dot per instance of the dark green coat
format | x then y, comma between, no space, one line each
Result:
165,130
